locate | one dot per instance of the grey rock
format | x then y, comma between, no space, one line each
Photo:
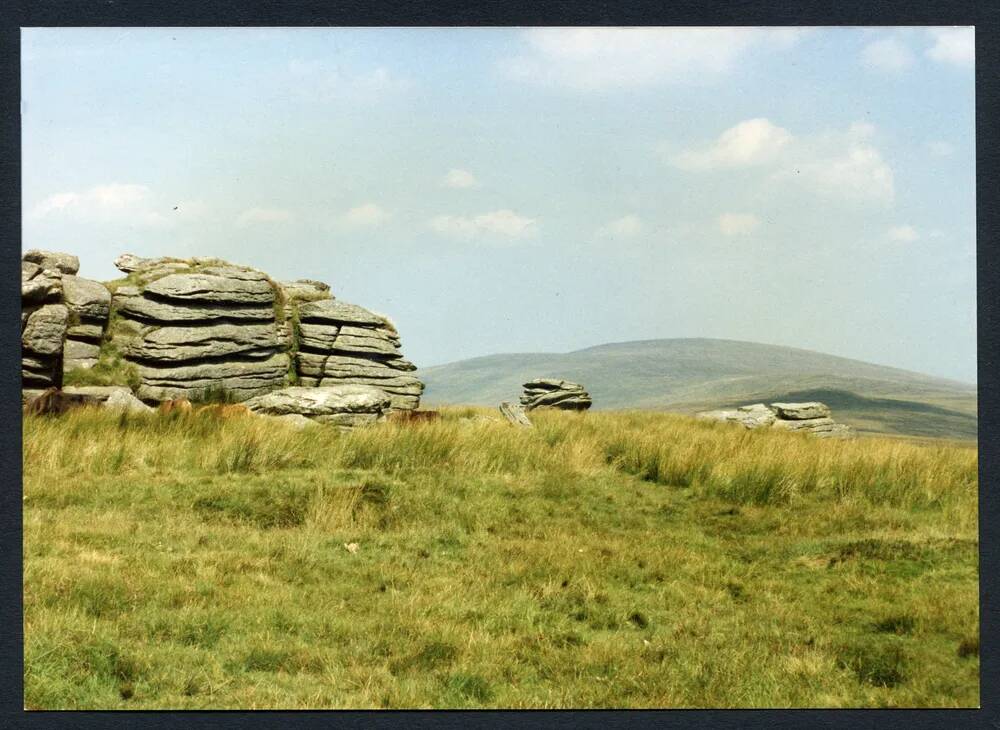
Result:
85,331
122,401
514,413
343,366
80,350
241,378
130,303
555,393
88,299
338,312
64,262
801,411
39,285
226,285
169,344
97,392
293,419
322,401
318,335
45,329
808,424
305,290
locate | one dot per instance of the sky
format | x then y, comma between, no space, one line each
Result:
530,189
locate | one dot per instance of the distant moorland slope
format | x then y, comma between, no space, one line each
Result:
689,375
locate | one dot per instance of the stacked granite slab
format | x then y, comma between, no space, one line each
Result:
89,304
812,418
44,317
194,326
344,344
554,393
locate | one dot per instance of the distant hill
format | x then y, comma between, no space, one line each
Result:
689,375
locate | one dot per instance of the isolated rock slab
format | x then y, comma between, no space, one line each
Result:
63,262
322,401
122,400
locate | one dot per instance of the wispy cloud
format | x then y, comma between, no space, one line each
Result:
258,216
316,81
738,224
956,46
500,223
591,59
888,55
368,215
624,227
903,234
842,164
126,203
457,178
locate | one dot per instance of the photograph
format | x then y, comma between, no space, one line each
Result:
511,367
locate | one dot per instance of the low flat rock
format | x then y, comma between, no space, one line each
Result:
322,401
88,299
757,415
130,303
801,411
807,424
175,344
219,284
338,312
45,329
63,262
122,401
98,392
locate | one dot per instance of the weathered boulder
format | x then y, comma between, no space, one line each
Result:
555,393
45,329
338,312
123,401
801,411
305,290
341,405
39,285
63,262
131,303
169,344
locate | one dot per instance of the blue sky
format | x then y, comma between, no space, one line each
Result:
516,190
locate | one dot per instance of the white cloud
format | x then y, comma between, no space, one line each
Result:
589,59
738,224
363,216
112,203
315,81
255,216
940,148
842,164
503,223
457,178
887,54
751,142
903,234
624,227
953,45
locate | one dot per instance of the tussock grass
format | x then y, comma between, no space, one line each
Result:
600,559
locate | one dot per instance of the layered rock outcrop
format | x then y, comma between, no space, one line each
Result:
193,328
554,393
813,418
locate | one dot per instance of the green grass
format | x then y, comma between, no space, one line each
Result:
598,560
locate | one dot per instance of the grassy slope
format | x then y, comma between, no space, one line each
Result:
605,560
696,374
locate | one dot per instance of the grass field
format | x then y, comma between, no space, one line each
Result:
598,560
